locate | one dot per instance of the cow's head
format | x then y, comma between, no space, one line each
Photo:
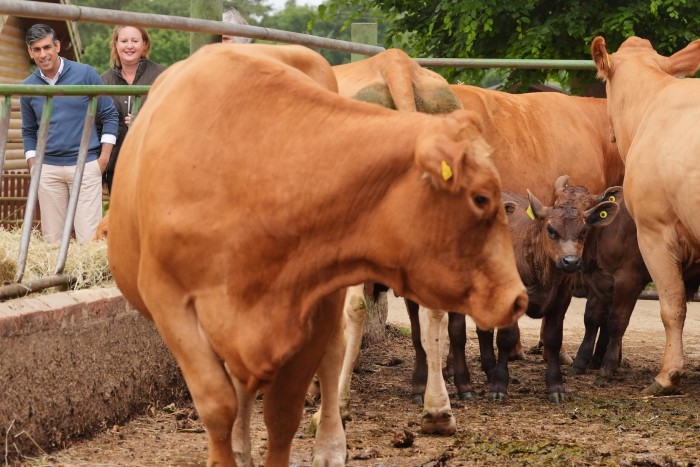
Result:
564,226
448,215
636,69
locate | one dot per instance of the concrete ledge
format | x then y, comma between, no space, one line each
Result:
74,363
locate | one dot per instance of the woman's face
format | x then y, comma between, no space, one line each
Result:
130,46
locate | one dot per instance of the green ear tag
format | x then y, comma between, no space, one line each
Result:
446,170
612,198
530,214
603,214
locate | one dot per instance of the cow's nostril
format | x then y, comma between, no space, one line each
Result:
570,263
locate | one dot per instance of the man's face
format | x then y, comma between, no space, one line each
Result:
44,52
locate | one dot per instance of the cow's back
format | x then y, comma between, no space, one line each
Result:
538,137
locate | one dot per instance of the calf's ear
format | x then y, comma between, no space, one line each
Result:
684,62
601,214
601,58
614,193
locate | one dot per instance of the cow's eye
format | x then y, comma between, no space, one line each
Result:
551,233
481,201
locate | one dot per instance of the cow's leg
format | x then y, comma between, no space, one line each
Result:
457,331
625,297
437,412
487,356
419,379
553,337
241,427
564,357
506,340
657,250
207,378
355,313
601,345
330,445
592,319
283,402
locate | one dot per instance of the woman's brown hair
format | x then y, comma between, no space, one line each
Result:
114,56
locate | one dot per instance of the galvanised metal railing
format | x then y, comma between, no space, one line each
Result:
51,92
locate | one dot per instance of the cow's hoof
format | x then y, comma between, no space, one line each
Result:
565,359
417,399
466,395
336,460
243,459
442,423
558,397
655,389
516,356
498,396
577,370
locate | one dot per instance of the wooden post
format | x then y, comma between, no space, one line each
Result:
362,33
205,9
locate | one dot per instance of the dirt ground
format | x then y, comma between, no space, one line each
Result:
608,424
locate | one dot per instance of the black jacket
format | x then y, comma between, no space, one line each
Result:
146,74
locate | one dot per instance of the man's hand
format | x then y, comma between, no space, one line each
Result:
103,160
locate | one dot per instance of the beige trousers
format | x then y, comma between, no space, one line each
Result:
54,192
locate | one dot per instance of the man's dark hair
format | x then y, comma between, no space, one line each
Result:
39,31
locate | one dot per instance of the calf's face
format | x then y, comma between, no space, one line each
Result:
564,227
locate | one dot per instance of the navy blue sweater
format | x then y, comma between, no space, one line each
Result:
67,117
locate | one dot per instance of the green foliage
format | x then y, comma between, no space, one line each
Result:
534,29
304,19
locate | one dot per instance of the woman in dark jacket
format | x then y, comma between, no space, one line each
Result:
130,48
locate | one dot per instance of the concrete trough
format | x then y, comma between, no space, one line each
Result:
74,363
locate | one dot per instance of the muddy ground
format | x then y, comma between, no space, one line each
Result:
602,424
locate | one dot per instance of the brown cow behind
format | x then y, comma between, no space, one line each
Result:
654,116
226,231
549,245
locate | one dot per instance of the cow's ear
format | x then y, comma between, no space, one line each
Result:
601,58
614,194
445,156
441,160
536,210
684,62
510,207
602,213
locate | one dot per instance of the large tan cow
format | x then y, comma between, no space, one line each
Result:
237,236
654,116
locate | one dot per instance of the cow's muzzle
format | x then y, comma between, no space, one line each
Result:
569,263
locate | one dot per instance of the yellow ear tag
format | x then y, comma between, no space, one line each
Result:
603,214
612,198
529,212
446,171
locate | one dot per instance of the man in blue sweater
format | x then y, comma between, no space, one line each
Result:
65,133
